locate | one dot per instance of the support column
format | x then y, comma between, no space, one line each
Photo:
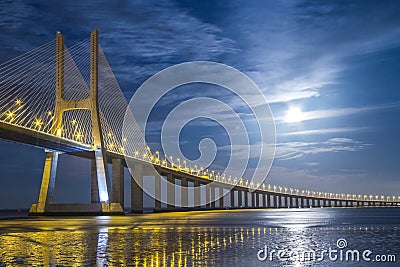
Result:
94,189
137,189
118,182
277,201
257,200
197,194
240,200
157,191
253,199
48,181
170,191
264,196
232,192
246,198
270,201
184,193
213,199
221,196
208,197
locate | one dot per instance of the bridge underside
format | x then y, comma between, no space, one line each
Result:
10,132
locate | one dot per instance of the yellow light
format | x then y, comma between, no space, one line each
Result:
38,123
10,115
78,135
109,134
58,132
18,102
49,113
73,122
124,139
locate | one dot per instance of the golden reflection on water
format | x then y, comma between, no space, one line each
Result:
147,246
156,240
112,246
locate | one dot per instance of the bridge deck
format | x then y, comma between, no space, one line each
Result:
15,133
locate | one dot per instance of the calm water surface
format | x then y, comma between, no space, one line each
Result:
208,238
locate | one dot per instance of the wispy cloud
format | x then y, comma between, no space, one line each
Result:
294,150
311,164
326,131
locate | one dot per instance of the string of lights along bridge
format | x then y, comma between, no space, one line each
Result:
67,100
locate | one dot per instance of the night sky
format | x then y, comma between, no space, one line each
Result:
328,70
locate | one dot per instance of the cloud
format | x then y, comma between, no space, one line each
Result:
311,164
295,150
326,131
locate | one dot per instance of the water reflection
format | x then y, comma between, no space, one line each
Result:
102,244
200,239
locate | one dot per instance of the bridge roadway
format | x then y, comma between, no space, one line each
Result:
19,134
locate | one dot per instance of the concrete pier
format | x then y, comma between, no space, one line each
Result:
221,196
184,193
118,181
213,199
157,192
137,190
240,198
232,194
197,199
170,191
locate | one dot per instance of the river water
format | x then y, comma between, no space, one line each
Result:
285,237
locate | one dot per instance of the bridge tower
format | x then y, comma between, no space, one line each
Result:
100,179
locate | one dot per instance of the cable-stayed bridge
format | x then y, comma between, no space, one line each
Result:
67,100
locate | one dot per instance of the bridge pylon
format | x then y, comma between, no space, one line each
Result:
100,179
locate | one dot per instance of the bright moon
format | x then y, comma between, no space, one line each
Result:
294,115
